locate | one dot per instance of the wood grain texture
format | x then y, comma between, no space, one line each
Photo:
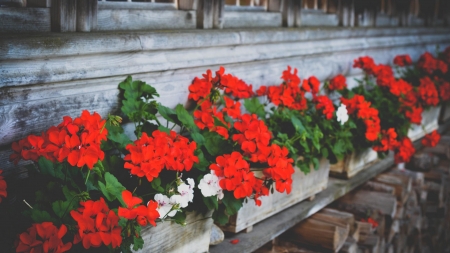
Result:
354,163
93,66
241,19
22,20
87,15
318,18
303,187
173,238
131,19
63,15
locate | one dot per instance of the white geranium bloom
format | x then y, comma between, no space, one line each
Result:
164,205
342,114
209,185
186,194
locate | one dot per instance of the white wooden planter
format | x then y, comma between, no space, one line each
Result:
354,163
429,123
445,112
174,238
303,187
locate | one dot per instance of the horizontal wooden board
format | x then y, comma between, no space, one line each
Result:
93,66
136,19
239,19
15,19
30,46
309,18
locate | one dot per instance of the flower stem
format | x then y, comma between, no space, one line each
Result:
87,177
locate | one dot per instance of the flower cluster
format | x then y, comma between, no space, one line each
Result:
431,139
97,225
3,186
338,82
388,141
403,60
325,104
43,237
169,205
359,107
77,141
209,185
404,151
290,94
135,211
149,155
429,64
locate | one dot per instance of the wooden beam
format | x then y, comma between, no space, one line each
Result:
218,10
205,14
274,5
288,13
86,15
39,3
63,15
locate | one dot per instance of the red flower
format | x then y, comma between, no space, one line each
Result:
400,87
429,64
262,91
280,168
338,82
414,115
43,237
325,104
149,155
314,83
204,117
236,87
97,225
366,63
78,141
134,210
404,151
232,108
402,60
384,75
428,92
444,91
388,141
201,87
3,187
431,139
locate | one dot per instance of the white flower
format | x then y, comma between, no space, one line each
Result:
342,114
186,192
165,206
209,185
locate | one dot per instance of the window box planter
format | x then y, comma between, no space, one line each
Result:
429,123
353,163
174,238
303,187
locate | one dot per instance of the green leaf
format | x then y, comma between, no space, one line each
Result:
112,189
215,144
168,114
63,207
180,218
254,106
324,152
164,129
316,163
232,204
138,243
48,168
198,138
211,202
184,116
299,127
39,216
220,217
116,134
202,162
156,185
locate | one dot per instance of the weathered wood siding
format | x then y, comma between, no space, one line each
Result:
47,76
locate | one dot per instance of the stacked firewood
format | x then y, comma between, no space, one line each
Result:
397,211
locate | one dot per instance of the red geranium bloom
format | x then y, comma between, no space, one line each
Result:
444,91
236,87
325,104
403,60
97,225
431,139
366,63
314,83
338,82
3,186
429,64
134,210
232,108
388,141
414,115
384,75
400,87
404,151
428,92
43,237
149,155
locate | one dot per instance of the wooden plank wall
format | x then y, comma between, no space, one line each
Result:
45,77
